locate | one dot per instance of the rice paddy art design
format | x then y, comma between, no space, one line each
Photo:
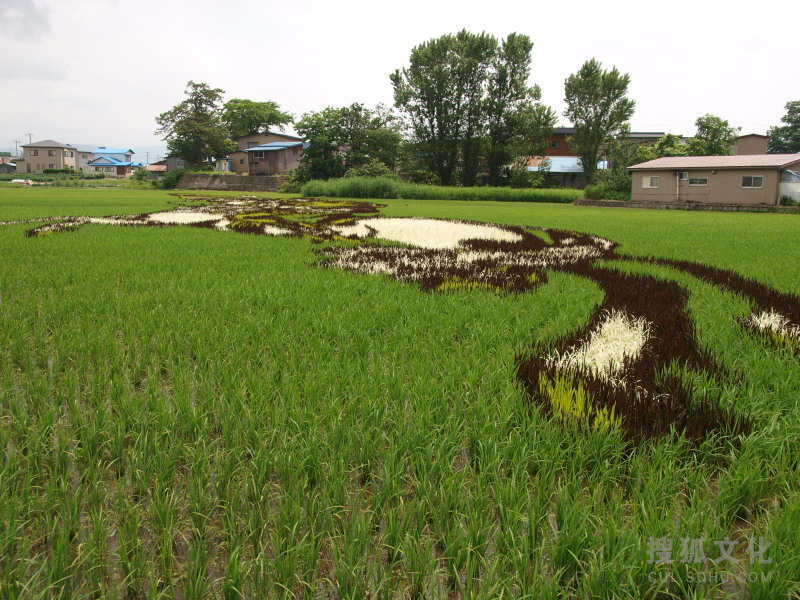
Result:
631,367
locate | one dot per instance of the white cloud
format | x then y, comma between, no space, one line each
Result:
25,20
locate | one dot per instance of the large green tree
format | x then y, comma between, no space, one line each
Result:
347,138
598,107
193,129
515,121
464,96
714,137
442,93
243,117
785,139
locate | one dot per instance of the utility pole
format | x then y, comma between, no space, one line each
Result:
147,157
30,137
16,147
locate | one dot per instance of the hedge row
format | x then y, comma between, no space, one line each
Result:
385,188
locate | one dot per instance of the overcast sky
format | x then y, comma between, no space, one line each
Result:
100,71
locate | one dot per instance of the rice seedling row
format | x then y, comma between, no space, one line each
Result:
193,412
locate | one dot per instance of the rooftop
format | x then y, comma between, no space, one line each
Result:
46,144
273,146
104,150
743,161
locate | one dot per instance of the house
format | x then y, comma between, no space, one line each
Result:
740,179
82,159
8,168
157,170
751,143
266,153
173,163
45,154
6,157
112,167
558,143
118,154
565,171
113,162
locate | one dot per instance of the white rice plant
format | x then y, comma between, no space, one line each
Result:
619,338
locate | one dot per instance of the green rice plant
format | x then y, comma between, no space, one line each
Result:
419,564
131,552
351,556
233,582
197,584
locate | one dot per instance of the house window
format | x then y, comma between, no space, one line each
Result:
752,182
34,153
252,144
698,181
84,156
51,153
650,181
555,144
179,164
683,175
68,154
259,154
241,161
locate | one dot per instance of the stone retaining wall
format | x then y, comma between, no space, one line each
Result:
236,183
764,208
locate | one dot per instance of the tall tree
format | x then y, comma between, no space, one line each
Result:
531,126
511,109
714,137
243,117
785,139
442,92
193,129
598,108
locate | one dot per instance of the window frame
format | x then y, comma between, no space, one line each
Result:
555,144
647,182
34,153
697,181
752,179
258,154
683,175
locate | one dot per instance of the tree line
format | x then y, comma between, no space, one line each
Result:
467,114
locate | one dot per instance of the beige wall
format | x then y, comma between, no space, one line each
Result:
724,187
262,138
36,163
273,163
751,144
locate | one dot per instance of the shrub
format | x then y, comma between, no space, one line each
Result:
141,175
787,200
385,188
373,168
521,177
170,180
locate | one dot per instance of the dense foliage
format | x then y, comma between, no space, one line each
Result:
599,110
350,137
193,129
785,139
245,117
464,96
714,137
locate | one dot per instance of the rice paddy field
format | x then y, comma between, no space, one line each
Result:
301,399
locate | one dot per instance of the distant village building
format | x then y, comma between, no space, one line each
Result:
740,179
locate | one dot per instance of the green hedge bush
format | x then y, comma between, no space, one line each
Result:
385,188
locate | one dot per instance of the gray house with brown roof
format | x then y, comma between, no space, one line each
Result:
744,179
